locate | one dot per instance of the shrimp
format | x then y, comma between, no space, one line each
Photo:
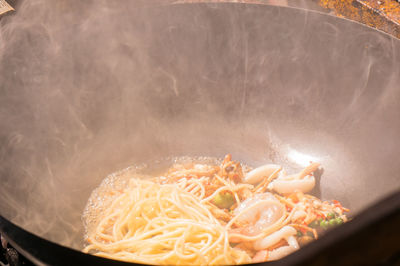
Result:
273,177
286,232
258,174
265,245
258,213
303,181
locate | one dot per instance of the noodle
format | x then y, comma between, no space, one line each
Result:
170,227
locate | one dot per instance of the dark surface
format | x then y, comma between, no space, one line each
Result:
11,257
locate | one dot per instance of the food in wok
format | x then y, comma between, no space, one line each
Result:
208,213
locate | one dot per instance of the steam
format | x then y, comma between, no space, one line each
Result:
92,87
49,86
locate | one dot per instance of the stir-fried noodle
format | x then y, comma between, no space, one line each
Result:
206,214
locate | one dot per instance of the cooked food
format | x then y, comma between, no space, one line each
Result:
207,214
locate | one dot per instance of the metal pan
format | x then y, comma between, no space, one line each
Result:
89,88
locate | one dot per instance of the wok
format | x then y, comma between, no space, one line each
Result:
92,87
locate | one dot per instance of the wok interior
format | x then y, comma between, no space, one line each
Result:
89,88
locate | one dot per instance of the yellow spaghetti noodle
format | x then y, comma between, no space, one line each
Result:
162,224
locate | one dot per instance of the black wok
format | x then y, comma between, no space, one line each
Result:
92,87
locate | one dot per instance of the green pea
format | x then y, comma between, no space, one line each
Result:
339,220
324,224
299,234
332,222
224,200
331,215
